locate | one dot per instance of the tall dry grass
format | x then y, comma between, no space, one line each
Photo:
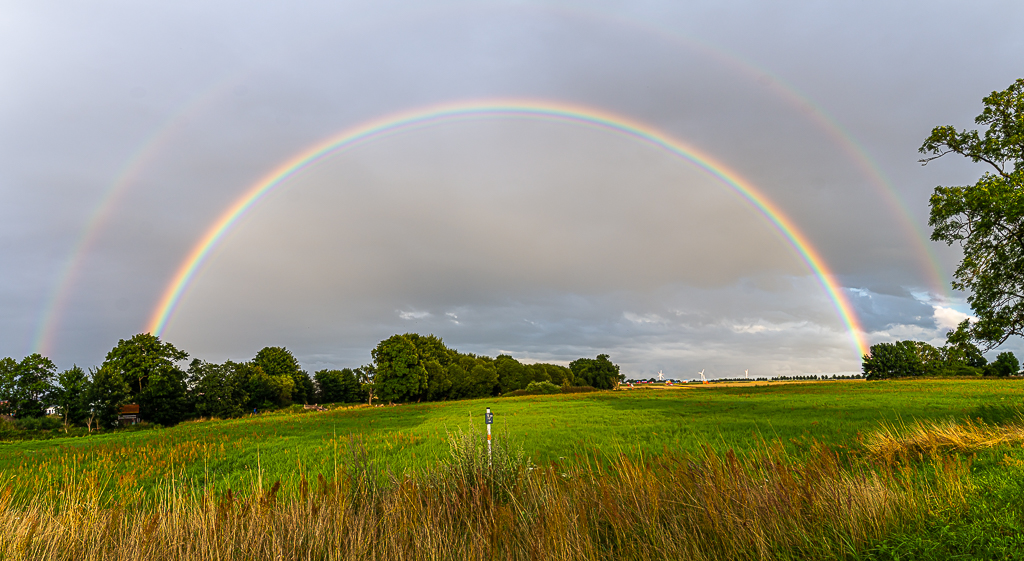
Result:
924,439
713,506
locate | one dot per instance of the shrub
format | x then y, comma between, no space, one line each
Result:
543,388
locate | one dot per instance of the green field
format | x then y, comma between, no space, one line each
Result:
777,471
549,428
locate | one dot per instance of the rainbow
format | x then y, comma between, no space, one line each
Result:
547,110
128,175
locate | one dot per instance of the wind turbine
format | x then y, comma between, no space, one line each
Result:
660,376
745,376
702,378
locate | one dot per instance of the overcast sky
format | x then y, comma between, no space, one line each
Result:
128,128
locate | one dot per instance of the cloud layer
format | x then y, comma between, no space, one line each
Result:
546,240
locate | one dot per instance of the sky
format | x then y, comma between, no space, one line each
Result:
128,130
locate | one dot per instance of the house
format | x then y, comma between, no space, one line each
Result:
51,410
129,415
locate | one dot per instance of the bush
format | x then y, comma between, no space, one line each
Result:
39,423
543,388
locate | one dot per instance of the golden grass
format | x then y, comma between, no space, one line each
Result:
927,439
715,506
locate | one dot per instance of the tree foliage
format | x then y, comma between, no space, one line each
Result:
597,372
279,362
144,370
987,219
909,359
400,376
149,367
338,386
70,395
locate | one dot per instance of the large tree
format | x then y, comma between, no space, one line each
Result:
33,385
219,390
71,395
148,366
279,361
987,219
338,386
597,372
399,374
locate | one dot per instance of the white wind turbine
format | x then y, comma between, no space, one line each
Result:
702,378
745,376
660,376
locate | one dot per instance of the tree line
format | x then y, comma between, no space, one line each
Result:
912,359
144,370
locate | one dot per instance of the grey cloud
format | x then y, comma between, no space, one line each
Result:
543,239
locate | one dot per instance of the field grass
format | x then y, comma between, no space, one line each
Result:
936,478
549,428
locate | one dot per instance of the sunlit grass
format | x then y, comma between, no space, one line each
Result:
822,470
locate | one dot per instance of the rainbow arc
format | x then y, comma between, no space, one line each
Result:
494,109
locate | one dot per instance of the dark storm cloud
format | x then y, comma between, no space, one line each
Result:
545,241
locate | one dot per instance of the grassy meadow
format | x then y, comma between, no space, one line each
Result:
845,469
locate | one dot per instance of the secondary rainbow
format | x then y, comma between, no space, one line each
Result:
491,109
127,176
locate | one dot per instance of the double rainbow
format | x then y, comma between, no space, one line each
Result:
546,110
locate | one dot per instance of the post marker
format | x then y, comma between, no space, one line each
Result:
489,419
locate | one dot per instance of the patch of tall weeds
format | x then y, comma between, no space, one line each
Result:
474,505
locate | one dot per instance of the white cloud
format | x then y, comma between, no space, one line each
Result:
642,319
948,318
413,315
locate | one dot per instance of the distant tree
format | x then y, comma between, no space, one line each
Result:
600,373
35,375
219,390
279,361
439,381
472,376
892,360
149,367
511,374
986,219
1005,364
8,383
106,394
71,396
266,391
305,391
338,386
330,388
960,349
367,375
399,374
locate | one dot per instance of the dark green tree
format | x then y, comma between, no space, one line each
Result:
157,385
35,375
279,361
71,396
367,375
512,375
986,219
265,391
218,390
1005,364
600,373
106,394
8,385
892,360
338,386
399,374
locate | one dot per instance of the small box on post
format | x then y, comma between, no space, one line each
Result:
489,419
